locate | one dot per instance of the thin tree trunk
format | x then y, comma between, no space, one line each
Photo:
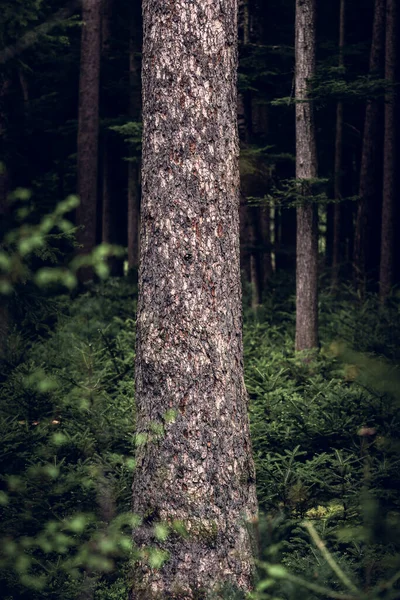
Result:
389,156
133,216
133,169
329,216
246,22
4,208
337,192
107,204
4,176
285,241
108,209
255,238
106,19
196,468
306,170
256,253
367,208
266,236
25,91
88,128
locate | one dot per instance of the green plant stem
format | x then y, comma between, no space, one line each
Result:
329,558
319,589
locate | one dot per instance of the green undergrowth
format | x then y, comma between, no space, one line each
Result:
326,440
67,422
325,429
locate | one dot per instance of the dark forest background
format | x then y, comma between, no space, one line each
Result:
325,424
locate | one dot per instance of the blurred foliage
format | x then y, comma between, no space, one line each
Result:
325,429
326,440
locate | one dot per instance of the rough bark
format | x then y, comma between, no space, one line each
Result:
306,170
197,468
133,168
88,127
389,157
367,227
337,192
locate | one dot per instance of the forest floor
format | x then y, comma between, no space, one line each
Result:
325,429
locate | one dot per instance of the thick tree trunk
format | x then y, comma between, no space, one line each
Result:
389,157
133,169
337,192
306,169
196,468
367,220
88,127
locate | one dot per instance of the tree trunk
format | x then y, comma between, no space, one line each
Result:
337,192
285,239
4,207
256,255
306,170
106,20
197,467
133,216
133,169
4,175
367,219
88,128
266,237
107,233
389,157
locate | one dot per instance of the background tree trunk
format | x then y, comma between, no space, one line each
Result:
107,224
256,255
4,206
266,238
368,214
285,238
337,192
133,167
306,169
389,156
197,467
88,127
